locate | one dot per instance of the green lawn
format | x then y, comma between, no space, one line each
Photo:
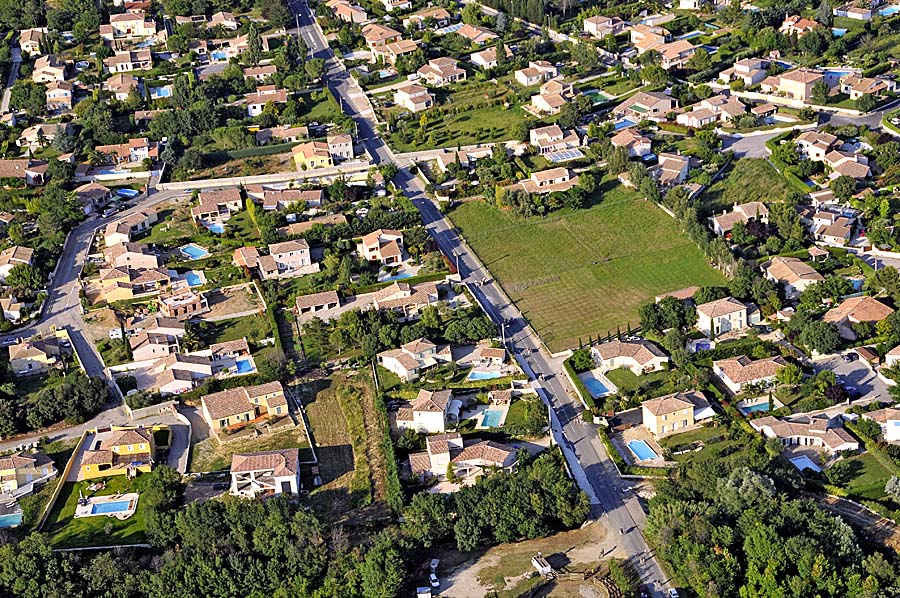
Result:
702,434
254,328
173,228
67,532
748,179
33,505
243,226
869,477
586,272
626,381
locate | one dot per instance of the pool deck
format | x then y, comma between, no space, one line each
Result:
504,409
86,509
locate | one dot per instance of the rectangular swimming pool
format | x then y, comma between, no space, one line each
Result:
491,418
115,506
193,279
803,462
889,11
193,251
748,409
641,450
10,520
243,366
479,375
595,387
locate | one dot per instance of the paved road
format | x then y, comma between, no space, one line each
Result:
604,485
16,55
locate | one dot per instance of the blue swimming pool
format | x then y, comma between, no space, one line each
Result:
193,279
624,123
491,418
641,450
803,462
218,55
10,520
244,366
748,409
115,506
595,387
479,375
216,227
691,35
128,193
194,252
889,11
160,92
400,276
838,32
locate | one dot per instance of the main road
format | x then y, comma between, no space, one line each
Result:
610,495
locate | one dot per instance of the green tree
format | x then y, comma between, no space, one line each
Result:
820,336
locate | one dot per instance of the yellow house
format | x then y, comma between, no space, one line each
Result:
21,472
674,412
312,154
119,451
33,357
242,405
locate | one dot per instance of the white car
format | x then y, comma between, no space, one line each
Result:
435,582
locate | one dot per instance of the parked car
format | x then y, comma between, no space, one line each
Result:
644,592
673,593
221,486
435,582
848,357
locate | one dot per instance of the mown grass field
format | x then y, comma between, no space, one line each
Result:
748,179
583,273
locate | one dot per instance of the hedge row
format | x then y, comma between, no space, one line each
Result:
580,388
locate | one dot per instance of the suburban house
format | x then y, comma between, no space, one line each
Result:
671,169
223,19
14,256
857,87
854,310
413,97
815,145
60,96
477,35
311,155
797,84
392,5
740,213
392,52
413,358
600,26
300,228
286,259
12,308
122,231
675,55
548,181
242,405
468,459
264,94
30,41
429,413
378,36
383,245
121,284
853,165
340,146
439,72
721,316
739,372
22,473
217,205
40,135
119,451
553,95
674,412
47,69
406,299
640,356
793,274
749,70
317,302
536,73
487,59
830,228
350,13
797,25
819,432
888,418
132,151
437,15
92,195
146,346
281,134
552,138
260,73
635,143
129,60
176,374
133,255
182,304
647,37
267,473
33,357
26,169
128,25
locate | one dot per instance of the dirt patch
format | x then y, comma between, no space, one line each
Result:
99,322
233,300
209,455
507,569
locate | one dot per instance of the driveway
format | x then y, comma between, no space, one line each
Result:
854,374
